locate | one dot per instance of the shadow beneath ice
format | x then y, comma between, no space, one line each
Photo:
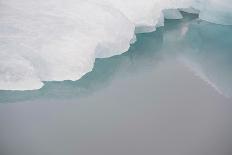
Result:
204,47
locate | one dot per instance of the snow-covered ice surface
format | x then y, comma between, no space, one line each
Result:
165,96
203,47
58,40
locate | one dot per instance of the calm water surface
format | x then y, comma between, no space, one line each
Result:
171,93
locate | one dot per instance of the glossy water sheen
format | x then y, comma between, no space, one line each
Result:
169,94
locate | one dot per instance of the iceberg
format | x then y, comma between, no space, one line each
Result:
59,40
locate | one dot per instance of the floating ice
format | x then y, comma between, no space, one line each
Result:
216,11
59,40
172,14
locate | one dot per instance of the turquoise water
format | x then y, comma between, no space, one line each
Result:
169,94
205,47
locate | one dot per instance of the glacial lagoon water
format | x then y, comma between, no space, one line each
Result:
171,93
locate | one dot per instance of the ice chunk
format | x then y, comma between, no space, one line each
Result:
60,39
172,14
219,12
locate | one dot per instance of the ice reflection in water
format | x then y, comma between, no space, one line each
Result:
204,47
146,101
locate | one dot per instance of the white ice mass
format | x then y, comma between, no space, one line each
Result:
56,40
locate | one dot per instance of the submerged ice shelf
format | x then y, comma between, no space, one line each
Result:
59,40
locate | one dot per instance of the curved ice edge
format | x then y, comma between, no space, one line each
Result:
138,30
165,14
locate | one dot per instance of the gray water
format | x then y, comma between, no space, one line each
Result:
171,93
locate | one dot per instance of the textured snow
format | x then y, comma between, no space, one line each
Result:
58,40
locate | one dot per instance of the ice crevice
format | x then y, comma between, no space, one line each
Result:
59,40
